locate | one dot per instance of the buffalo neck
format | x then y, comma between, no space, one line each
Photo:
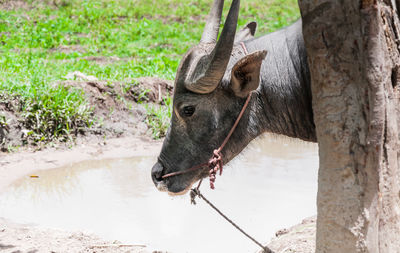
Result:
283,104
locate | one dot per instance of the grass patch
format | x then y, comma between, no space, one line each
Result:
158,117
42,44
58,114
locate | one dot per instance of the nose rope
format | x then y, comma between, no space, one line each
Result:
215,163
244,48
195,192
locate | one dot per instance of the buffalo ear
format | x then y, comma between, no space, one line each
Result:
245,75
247,32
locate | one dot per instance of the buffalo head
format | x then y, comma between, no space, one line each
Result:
212,83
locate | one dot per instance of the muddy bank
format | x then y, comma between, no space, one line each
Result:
118,110
28,238
297,239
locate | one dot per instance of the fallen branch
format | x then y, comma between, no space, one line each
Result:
117,245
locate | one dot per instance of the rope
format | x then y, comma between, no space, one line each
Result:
195,192
244,48
215,162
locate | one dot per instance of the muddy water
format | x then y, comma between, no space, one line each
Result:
271,186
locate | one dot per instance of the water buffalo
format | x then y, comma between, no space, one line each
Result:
212,84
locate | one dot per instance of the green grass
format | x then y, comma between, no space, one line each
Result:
158,117
57,114
39,46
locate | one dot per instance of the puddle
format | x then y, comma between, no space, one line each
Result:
272,186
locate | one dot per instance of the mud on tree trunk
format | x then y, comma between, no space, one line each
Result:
353,50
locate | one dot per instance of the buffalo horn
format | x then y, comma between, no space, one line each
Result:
211,28
211,68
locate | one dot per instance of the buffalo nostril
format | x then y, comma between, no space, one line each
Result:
158,176
157,172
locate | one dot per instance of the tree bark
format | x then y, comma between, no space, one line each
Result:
353,55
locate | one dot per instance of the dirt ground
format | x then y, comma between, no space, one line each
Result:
28,238
297,239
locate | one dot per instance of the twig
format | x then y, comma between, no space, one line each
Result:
117,245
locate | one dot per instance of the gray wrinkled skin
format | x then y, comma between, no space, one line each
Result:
281,104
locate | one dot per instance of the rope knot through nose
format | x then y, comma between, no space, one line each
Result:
215,163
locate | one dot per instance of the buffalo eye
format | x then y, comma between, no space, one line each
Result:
188,111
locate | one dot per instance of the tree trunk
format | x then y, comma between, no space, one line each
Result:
353,54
